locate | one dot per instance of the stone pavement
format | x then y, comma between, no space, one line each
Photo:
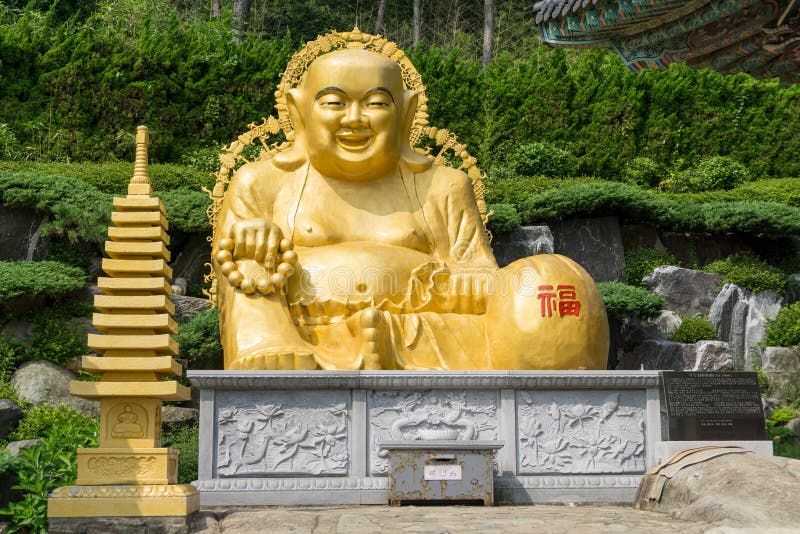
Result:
541,519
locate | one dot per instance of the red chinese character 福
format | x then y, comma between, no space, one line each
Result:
568,303
546,300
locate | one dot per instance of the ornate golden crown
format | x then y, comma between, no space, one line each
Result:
273,135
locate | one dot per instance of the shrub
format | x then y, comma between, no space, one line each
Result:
749,272
541,159
623,300
186,440
38,419
694,329
48,278
55,342
200,342
718,172
42,468
784,329
78,211
641,261
504,219
10,356
644,172
186,209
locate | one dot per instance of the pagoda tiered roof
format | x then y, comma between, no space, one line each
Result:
755,36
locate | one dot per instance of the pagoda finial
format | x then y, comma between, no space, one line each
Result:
140,183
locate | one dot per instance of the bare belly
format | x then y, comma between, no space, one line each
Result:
354,272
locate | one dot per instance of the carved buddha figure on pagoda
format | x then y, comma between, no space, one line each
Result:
347,248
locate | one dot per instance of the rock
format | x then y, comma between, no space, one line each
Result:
770,404
179,287
21,331
712,356
793,289
740,318
42,382
636,329
21,234
653,355
702,250
190,262
685,291
188,307
781,366
794,426
522,242
10,414
639,236
741,490
596,244
174,417
15,447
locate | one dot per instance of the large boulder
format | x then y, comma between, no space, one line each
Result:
781,366
10,414
187,307
15,447
740,317
175,417
685,291
21,234
190,262
522,242
636,330
673,356
655,354
43,382
736,490
711,356
640,236
595,244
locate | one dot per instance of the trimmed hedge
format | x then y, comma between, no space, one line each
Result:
632,204
784,329
623,300
694,329
641,261
49,278
504,219
749,273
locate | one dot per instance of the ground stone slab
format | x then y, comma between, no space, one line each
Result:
685,291
43,382
595,244
443,519
739,490
522,242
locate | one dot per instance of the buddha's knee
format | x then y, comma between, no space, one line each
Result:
545,312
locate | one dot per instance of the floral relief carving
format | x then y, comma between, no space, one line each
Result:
593,432
430,414
273,439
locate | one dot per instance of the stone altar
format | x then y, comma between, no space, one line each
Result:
291,437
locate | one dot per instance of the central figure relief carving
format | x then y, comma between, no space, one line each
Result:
347,248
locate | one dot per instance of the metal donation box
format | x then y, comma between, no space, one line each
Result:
441,471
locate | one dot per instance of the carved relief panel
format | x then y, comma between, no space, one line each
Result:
580,432
428,414
280,433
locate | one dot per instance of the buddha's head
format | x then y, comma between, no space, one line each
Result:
352,116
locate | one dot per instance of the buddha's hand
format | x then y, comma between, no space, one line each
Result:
259,242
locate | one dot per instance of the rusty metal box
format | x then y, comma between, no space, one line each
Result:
441,471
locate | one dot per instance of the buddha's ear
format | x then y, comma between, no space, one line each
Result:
296,154
414,160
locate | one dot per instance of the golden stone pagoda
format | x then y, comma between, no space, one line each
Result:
130,474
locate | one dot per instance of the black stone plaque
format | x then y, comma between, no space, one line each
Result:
712,406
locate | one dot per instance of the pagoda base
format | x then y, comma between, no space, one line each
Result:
167,505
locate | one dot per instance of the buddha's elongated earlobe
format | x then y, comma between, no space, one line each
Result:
296,155
414,160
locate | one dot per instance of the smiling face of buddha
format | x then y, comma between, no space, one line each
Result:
351,109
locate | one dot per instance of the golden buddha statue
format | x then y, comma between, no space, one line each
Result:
346,248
